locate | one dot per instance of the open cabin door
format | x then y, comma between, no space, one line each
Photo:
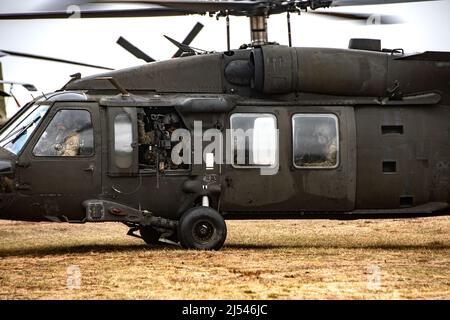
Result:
303,160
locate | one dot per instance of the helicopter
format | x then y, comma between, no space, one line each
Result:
174,148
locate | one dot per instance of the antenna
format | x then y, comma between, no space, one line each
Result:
288,16
227,19
2,95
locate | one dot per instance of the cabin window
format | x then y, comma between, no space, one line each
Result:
123,141
315,141
69,134
254,139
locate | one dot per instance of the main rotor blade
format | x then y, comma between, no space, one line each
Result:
30,87
27,86
146,8
34,56
233,7
252,7
135,8
191,36
87,9
4,94
135,51
366,18
182,47
345,3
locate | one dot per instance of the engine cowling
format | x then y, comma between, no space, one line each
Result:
280,69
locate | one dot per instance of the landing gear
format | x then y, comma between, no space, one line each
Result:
202,228
150,235
154,236
160,232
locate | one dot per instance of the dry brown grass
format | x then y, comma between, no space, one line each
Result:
260,260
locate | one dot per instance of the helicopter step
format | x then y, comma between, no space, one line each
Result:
153,230
102,211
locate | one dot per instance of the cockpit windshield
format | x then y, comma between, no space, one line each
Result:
17,133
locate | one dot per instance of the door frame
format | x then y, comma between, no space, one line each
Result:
52,202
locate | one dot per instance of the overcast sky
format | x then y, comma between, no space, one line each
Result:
426,27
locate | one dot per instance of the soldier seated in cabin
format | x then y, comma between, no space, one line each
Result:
326,139
318,147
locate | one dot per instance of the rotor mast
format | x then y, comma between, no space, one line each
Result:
258,30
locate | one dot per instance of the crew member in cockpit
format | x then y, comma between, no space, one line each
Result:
67,142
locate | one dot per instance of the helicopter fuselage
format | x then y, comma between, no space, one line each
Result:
336,134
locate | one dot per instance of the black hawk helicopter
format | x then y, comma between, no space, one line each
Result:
174,148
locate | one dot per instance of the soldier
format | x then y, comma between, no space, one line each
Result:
60,139
147,141
171,122
145,137
67,140
71,145
326,138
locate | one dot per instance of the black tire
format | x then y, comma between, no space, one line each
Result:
150,235
202,228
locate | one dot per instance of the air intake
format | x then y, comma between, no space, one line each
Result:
365,44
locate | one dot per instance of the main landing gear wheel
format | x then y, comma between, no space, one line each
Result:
202,228
149,235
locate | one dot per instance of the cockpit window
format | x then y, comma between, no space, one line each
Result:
316,140
15,136
69,134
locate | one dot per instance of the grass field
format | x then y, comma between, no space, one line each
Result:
365,259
